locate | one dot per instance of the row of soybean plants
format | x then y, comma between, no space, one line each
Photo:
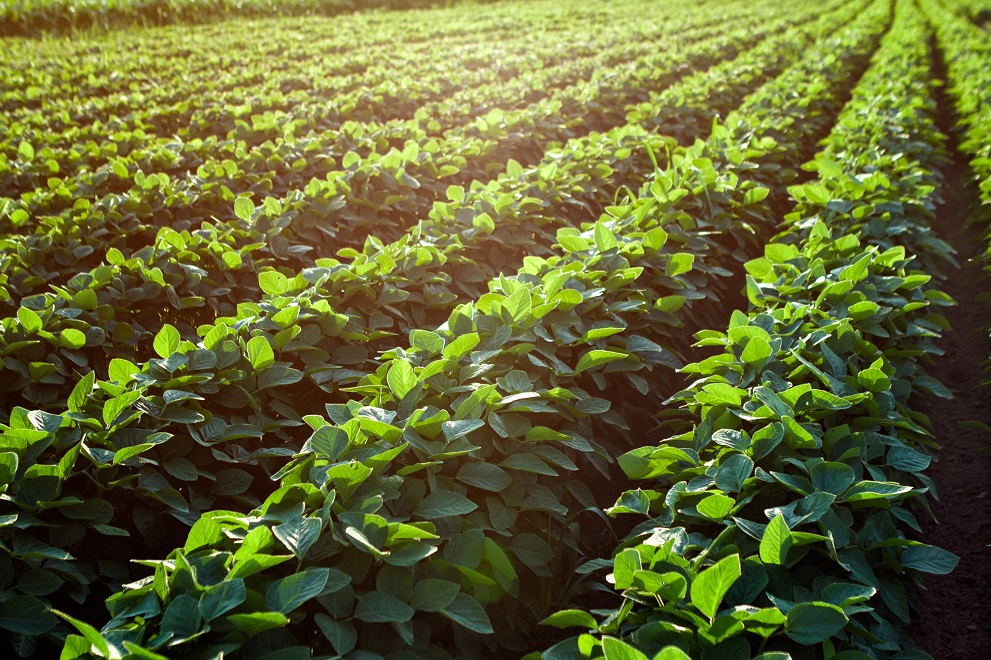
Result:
373,292
778,516
68,129
381,167
966,46
35,18
378,83
444,469
96,83
206,175
214,268
287,229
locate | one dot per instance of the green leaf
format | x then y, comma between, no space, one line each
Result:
597,357
380,607
401,378
756,352
72,339
25,150
519,304
298,534
531,549
273,283
617,649
181,618
341,635
671,652
30,321
680,263
167,341
830,477
776,541
26,615
81,391
605,240
244,208
221,598
205,533
258,622
485,476
929,559
441,503
715,506
91,634
709,586
735,469
720,394
571,619
466,611
874,380
813,623
260,353
433,595
287,594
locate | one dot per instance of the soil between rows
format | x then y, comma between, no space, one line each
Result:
952,617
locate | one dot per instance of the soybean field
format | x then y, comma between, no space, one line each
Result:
544,329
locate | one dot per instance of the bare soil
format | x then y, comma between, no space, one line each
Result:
952,618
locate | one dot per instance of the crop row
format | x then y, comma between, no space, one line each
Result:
302,210
265,155
434,410
31,18
435,263
173,104
778,518
966,46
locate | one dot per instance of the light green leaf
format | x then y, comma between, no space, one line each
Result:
258,622
72,339
595,358
260,353
30,321
167,341
680,263
776,541
571,619
244,208
519,304
401,378
604,238
273,283
715,506
709,586
617,649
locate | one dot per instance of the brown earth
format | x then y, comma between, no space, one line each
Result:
952,617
